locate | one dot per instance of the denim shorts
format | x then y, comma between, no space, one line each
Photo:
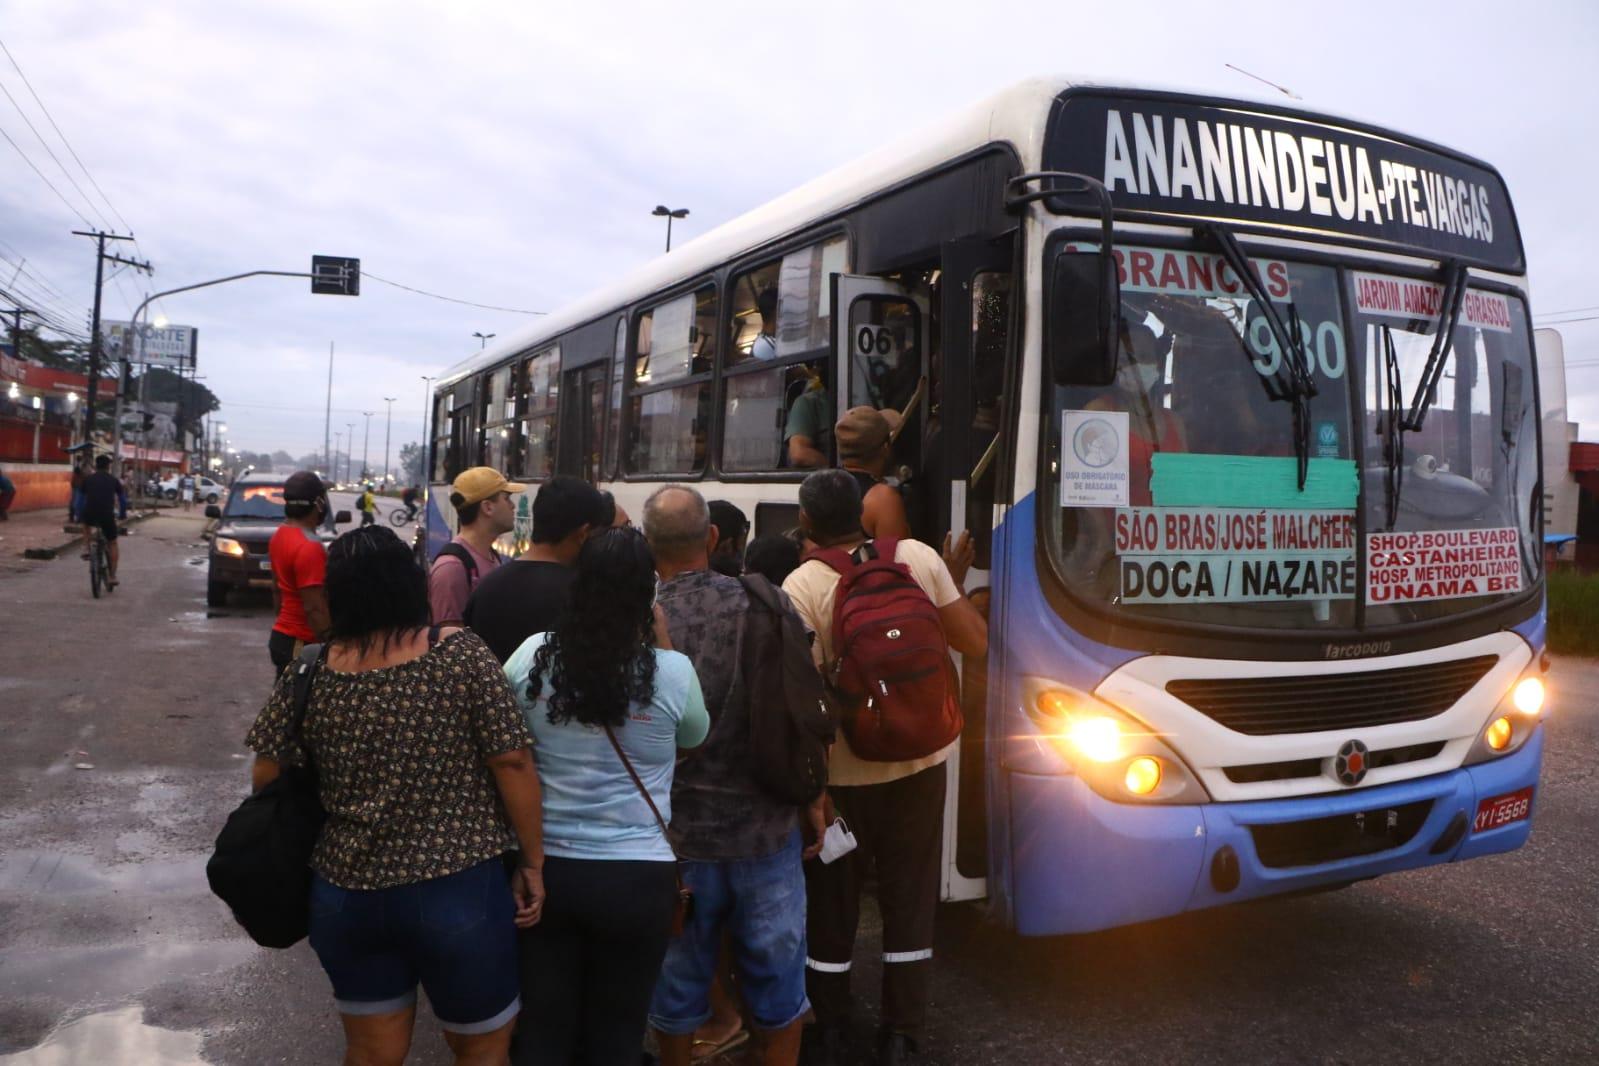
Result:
760,903
456,935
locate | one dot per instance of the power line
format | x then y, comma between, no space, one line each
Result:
449,299
86,219
20,263
1567,311
1566,321
53,125
51,153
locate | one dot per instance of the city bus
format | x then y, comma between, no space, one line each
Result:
1238,404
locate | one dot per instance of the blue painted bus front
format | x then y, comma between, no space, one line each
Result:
1064,859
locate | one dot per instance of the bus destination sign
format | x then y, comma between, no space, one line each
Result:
1258,167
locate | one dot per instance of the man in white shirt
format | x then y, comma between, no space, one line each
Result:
895,809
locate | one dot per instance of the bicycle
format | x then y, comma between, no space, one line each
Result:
99,564
402,516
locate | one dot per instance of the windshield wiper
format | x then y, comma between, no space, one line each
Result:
1293,378
1393,424
1449,317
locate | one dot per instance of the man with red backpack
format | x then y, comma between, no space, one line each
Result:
886,614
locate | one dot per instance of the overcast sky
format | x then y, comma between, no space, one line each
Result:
510,153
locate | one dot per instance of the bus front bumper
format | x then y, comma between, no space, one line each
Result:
1082,863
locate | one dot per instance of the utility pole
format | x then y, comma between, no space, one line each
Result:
366,445
327,420
100,258
335,471
349,449
388,425
16,314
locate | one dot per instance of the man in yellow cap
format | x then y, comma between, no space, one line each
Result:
482,500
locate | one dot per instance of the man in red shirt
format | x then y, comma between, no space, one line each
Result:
299,570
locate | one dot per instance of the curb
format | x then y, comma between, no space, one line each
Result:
55,550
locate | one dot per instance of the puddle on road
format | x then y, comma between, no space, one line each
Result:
59,873
112,1036
64,978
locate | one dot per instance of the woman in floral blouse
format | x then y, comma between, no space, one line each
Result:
422,757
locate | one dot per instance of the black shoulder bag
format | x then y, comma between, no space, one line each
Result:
261,867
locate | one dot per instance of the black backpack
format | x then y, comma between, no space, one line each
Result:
792,720
457,551
261,867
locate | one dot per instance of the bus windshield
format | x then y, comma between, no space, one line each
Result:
1178,487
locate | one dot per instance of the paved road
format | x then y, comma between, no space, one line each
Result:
109,941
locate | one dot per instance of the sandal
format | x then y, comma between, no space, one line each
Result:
705,1050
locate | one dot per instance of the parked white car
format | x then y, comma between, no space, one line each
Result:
205,490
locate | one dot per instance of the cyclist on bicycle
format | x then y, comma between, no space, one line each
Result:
104,503
408,498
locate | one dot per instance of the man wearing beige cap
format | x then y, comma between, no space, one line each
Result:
865,438
482,500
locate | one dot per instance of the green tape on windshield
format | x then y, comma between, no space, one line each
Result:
1184,480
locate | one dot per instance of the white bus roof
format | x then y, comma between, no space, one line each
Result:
1015,116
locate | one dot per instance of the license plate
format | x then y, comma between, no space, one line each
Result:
265,564
1499,811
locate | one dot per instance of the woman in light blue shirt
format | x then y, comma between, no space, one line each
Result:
589,966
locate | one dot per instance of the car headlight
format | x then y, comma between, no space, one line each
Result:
1119,757
229,546
1513,721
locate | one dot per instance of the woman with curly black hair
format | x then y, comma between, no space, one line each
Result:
608,710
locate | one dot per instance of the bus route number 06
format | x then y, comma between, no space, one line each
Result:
1324,348
876,341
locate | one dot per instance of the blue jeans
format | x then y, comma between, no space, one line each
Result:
761,905
454,934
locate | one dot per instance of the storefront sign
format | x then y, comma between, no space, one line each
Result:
1442,564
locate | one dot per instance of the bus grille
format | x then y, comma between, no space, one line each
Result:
1263,706
1341,836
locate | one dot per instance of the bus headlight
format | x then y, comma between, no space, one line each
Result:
1511,723
229,546
1528,695
1118,756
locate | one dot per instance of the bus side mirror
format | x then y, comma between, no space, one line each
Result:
213,511
342,518
1082,318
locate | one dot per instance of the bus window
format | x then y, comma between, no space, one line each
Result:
499,428
613,426
666,430
675,338
667,416
885,363
541,377
991,313
441,439
778,406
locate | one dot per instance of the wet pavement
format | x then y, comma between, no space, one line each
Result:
122,722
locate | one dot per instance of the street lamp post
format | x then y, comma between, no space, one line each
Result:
388,425
336,436
662,211
349,449
366,446
484,338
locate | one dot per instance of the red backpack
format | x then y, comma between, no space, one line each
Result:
891,669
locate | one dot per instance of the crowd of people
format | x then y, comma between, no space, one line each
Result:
541,783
